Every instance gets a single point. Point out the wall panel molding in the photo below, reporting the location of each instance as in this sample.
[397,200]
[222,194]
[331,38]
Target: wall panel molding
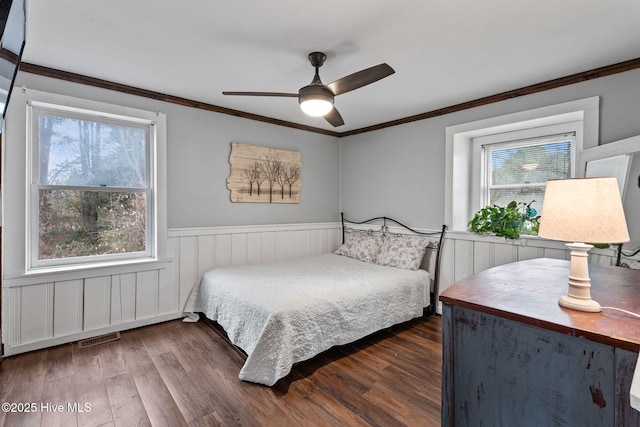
[238,229]
[39,315]
[45,310]
[465,254]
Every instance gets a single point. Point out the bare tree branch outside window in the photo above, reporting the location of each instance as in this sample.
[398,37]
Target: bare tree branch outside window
[93,192]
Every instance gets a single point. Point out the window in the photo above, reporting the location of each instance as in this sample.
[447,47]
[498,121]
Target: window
[471,183]
[518,170]
[92,193]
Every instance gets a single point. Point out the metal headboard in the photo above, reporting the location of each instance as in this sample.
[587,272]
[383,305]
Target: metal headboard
[384,229]
[620,254]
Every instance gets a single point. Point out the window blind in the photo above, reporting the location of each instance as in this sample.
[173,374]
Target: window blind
[518,170]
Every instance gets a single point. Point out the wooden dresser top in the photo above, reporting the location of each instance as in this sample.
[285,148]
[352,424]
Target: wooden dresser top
[528,292]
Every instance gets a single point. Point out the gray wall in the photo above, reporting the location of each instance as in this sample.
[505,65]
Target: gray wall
[198,148]
[400,171]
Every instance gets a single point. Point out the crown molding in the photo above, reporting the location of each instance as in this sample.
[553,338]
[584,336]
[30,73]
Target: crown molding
[595,73]
[132,90]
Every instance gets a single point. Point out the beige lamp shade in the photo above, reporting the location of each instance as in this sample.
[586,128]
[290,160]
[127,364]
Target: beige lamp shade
[587,210]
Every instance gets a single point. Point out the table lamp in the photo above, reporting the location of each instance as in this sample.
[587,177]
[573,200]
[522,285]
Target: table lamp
[583,211]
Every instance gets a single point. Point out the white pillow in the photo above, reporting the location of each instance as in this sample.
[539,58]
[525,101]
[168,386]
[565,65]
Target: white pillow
[402,251]
[361,245]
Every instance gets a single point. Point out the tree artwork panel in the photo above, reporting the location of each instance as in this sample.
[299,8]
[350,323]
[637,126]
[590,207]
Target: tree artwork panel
[264,175]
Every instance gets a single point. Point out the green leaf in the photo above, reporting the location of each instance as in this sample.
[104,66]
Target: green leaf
[507,222]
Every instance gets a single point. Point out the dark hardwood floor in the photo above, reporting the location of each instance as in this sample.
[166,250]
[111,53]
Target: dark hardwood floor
[178,374]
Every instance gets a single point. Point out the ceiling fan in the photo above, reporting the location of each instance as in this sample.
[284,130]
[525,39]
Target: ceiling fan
[316,99]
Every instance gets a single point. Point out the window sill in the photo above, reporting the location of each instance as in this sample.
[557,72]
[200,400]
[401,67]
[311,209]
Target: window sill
[56,274]
[524,240]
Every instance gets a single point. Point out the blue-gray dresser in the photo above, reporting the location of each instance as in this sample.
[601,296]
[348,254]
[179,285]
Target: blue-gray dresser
[513,357]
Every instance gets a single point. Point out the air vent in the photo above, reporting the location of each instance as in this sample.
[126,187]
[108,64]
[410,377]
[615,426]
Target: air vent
[89,342]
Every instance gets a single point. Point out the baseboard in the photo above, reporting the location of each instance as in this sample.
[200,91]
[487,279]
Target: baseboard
[23,348]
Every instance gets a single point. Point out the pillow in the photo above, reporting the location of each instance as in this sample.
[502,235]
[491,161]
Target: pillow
[402,251]
[361,245]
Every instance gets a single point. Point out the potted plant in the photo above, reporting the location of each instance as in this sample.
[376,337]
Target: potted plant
[508,222]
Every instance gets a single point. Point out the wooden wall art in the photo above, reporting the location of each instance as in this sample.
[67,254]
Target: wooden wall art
[264,175]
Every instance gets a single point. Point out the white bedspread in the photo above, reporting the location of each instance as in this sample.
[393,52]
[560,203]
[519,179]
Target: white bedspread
[285,312]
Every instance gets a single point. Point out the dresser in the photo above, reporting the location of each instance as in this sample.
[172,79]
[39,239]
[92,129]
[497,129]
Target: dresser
[513,356]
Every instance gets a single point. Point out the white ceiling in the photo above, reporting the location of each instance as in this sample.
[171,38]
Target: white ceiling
[444,52]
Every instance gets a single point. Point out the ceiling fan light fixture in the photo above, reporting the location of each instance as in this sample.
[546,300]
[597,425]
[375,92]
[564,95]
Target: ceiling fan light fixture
[315,100]
[316,107]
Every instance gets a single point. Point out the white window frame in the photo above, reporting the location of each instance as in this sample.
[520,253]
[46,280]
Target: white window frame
[463,165]
[34,108]
[16,196]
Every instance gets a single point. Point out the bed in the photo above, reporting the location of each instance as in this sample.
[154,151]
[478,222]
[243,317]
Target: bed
[284,312]
[627,258]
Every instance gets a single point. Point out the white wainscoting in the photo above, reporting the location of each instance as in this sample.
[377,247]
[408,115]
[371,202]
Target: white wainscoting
[47,310]
[52,309]
[200,249]
[465,254]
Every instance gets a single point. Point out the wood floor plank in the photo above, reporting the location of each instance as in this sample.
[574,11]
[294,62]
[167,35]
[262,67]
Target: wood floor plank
[88,371]
[94,407]
[91,402]
[58,392]
[258,401]
[59,362]
[411,395]
[209,420]
[404,412]
[112,360]
[203,345]
[158,402]
[368,372]
[7,375]
[325,378]
[322,409]
[27,387]
[136,357]
[126,405]
[27,369]
[178,374]
[193,403]
[232,410]
[153,338]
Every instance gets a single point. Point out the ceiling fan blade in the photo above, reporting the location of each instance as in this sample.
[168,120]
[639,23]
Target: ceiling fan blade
[360,78]
[334,118]
[288,95]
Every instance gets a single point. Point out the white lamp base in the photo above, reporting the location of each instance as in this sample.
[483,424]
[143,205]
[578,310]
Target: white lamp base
[579,295]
